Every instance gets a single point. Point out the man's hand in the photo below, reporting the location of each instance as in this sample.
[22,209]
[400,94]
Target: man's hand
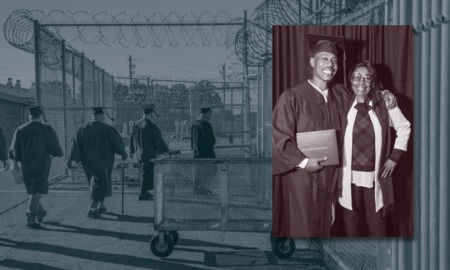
[131,155]
[313,164]
[388,168]
[6,165]
[389,99]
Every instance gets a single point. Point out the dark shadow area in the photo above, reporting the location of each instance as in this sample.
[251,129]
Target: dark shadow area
[26,265]
[128,218]
[135,237]
[117,259]
[401,219]
[301,259]
[97,232]
[203,244]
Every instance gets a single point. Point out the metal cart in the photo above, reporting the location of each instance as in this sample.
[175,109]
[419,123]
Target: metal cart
[241,200]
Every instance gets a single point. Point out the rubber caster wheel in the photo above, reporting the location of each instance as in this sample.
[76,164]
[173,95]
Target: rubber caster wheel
[174,235]
[283,247]
[161,249]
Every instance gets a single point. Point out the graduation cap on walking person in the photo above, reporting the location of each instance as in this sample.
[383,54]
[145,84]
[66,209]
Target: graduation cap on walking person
[35,110]
[205,110]
[149,108]
[101,110]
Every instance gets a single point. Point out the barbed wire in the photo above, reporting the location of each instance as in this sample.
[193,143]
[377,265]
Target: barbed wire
[127,30]
[174,30]
[297,12]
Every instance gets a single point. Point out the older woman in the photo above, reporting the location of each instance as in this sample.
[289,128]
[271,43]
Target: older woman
[369,158]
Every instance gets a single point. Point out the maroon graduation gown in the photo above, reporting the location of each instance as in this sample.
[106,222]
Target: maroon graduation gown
[302,200]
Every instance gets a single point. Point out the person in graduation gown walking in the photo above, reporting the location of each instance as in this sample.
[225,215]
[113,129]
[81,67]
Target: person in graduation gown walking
[202,145]
[147,143]
[95,145]
[34,144]
[3,150]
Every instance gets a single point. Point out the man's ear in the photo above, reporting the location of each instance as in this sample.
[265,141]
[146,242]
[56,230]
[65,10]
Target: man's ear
[311,61]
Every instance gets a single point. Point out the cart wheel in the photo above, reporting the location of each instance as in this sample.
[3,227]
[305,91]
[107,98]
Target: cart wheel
[174,236]
[283,247]
[161,249]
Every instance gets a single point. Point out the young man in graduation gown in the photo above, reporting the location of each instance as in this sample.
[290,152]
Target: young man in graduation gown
[305,193]
[147,143]
[202,145]
[95,145]
[33,145]
[3,150]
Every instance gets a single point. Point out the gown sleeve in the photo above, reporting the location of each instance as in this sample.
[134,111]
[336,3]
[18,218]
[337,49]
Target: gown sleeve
[285,153]
[53,146]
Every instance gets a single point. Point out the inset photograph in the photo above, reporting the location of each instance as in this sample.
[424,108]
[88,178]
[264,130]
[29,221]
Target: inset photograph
[342,131]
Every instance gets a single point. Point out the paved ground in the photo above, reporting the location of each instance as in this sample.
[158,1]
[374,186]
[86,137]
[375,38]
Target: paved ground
[70,240]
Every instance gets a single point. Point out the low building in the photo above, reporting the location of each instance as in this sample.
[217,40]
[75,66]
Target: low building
[14,101]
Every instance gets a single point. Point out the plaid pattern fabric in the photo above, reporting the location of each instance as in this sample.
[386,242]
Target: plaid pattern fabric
[363,150]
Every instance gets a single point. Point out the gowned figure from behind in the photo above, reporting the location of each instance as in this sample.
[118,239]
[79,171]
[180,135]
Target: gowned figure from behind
[369,159]
[95,145]
[3,150]
[202,145]
[147,143]
[33,146]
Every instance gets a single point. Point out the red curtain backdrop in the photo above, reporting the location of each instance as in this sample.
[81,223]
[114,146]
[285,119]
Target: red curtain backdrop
[390,50]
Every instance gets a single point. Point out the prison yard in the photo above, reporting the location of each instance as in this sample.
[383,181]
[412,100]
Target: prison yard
[182,63]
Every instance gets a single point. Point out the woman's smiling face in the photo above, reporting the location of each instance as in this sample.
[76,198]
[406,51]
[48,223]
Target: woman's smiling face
[361,80]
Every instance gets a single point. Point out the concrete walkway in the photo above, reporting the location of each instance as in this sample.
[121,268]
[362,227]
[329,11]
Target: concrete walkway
[70,240]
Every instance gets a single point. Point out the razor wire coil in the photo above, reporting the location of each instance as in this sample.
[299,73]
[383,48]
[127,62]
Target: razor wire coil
[189,29]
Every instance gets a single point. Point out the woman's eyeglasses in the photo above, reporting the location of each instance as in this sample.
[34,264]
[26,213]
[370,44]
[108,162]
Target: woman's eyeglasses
[357,77]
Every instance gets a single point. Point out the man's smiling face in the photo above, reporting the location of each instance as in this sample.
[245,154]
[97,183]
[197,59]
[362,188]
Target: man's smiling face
[324,66]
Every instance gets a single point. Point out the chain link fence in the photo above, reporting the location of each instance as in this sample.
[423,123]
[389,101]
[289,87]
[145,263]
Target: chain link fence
[124,77]
[241,196]
[71,82]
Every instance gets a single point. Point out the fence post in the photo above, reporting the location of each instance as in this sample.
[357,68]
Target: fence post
[37,62]
[246,97]
[103,88]
[224,194]
[94,88]
[148,89]
[64,90]
[83,87]
[73,79]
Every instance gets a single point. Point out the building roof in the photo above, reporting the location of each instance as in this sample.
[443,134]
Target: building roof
[18,95]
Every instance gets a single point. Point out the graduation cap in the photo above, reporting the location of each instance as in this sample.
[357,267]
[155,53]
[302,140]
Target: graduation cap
[330,44]
[205,110]
[35,110]
[149,108]
[97,110]
[325,43]
[101,110]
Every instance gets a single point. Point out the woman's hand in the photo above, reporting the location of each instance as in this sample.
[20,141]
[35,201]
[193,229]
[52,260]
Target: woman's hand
[389,99]
[388,168]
